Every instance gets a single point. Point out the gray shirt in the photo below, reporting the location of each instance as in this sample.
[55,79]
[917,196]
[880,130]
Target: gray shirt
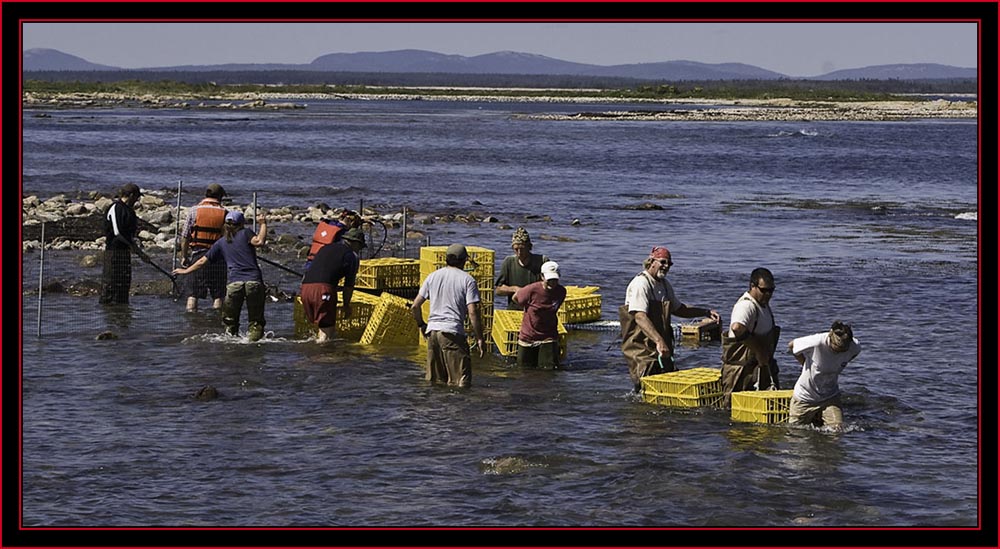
[449,291]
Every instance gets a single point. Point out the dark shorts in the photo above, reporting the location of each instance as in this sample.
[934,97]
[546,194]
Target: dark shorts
[322,313]
[208,280]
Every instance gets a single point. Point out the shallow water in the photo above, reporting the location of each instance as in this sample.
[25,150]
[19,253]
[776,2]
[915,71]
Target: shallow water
[353,436]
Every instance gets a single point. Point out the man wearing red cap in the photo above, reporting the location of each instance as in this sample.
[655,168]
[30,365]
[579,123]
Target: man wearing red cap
[647,337]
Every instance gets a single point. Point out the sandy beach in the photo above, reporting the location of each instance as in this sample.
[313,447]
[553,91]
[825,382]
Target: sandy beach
[777,109]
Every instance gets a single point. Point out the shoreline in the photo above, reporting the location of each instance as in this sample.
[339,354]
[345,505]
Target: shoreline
[728,110]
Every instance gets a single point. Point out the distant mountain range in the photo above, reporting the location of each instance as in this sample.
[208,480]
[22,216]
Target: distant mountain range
[508,62]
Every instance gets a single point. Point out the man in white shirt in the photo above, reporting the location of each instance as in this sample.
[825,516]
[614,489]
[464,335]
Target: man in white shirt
[647,336]
[453,295]
[748,346]
[816,397]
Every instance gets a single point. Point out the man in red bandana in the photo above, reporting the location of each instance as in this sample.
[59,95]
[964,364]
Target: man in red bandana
[647,337]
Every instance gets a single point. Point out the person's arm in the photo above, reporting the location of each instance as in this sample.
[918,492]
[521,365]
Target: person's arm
[193,267]
[684,311]
[477,327]
[800,357]
[418,314]
[260,238]
[646,325]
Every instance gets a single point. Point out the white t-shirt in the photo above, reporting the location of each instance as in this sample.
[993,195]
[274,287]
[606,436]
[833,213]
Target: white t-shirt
[644,289]
[747,311]
[449,291]
[822,367]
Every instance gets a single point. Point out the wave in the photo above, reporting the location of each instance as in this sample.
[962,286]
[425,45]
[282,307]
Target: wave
[970,216]
[803,132]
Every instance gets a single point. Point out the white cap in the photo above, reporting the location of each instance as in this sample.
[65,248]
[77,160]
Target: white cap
[550,270]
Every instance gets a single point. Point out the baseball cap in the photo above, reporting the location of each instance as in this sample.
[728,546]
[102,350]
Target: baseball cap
[550,270]
[129,189]
[356,235]
[235,217]
[457,251]
[215,191]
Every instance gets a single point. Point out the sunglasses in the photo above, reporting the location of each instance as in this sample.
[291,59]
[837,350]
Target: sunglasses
[766,290]
[665,262]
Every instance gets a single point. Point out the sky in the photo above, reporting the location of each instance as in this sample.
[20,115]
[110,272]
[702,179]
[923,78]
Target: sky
[790,48]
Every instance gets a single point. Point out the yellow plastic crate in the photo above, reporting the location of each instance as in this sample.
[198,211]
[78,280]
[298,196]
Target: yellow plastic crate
[391,323]
[581,290]
[507,324]
[580,308]
[761,406]
[684,388]
[388,272]
[432,258]
[702,330]
[362,307]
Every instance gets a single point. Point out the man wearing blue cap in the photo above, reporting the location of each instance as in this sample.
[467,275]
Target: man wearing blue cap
[237,248]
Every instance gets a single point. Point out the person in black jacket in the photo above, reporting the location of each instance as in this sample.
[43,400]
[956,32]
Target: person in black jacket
[333,262]
[120,228]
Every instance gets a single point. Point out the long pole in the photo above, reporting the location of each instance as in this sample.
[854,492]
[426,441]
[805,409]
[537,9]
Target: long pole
[404,232]
[41,268]
[279,265]
[177,225]
[255,211]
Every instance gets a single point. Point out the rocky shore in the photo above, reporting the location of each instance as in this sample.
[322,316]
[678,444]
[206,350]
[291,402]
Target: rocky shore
[778,109]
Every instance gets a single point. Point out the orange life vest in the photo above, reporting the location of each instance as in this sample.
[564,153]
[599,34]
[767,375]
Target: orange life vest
[325,233]
[209,217]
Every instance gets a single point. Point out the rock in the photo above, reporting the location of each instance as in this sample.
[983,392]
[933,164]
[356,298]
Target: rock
[575,222]
[103,336]
[491,219]
[89,261]
[54,287]
[645,206]
[206,393]
[76,209]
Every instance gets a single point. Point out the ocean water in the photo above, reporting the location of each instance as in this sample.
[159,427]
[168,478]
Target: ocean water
[872,223]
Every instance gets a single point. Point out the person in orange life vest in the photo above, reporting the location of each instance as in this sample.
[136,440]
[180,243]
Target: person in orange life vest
[333,262]
[538,338]
[201,229]
[647,336]
[331,231]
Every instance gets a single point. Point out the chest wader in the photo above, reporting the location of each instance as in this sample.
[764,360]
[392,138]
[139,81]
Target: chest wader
[740,370]
[639,349]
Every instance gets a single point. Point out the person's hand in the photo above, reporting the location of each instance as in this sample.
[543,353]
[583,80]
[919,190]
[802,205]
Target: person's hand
[482,346]
[790,346]
[662,348]
[714,315]
[179,271]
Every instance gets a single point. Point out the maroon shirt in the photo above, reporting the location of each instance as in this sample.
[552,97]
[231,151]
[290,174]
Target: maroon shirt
[540,307]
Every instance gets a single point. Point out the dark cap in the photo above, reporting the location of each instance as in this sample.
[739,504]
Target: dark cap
[357,235]
[215,190]
[457,251]
[129,189]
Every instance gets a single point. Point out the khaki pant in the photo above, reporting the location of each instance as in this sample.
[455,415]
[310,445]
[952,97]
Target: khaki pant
[825,413]
[448,359]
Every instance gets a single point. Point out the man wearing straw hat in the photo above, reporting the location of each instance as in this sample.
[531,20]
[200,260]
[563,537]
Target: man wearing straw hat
[520,269]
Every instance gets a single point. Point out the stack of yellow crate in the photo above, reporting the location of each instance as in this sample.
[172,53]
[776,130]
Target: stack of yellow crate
[506,327]
[761,406]
[388,274]
[582,304]
[684,388]
[362,307]
[391,323]
[481,268]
